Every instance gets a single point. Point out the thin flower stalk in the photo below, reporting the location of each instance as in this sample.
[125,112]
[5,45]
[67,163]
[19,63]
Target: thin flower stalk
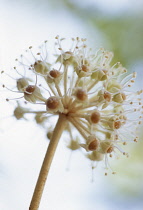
[59,128]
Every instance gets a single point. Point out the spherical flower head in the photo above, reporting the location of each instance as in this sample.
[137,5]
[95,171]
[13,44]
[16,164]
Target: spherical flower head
[94,96]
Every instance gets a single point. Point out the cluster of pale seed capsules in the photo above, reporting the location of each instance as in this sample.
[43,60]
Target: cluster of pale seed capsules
[94,96]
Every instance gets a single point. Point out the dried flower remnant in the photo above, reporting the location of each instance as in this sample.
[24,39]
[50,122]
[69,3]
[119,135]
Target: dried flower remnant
[87,92]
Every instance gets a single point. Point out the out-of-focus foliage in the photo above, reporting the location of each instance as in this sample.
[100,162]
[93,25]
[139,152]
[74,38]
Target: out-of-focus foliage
[129,177]
[125,36]
[123,32]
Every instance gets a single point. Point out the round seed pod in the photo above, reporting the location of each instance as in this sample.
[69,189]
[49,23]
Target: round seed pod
[32,94]
[54,76]
[106,147]
[92,143]
[117,124]
[94,117]
[83,71]
[110,149]
[85,68]
[29,89]
[114,123]
[53,103]
[81,94]
[54,73]
[104,96]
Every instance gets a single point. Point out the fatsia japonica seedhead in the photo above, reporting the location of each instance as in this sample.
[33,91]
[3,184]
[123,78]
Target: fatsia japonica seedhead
[102,112]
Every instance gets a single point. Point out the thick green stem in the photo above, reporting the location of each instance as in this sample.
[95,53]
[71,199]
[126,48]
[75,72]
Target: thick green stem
[60,126]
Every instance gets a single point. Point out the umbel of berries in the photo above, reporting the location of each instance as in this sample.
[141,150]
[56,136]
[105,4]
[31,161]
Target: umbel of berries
[91,99]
